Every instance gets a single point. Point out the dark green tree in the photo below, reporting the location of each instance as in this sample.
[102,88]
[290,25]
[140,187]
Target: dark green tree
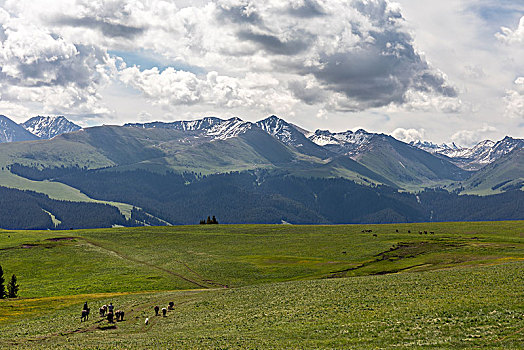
[208,220]
[12,287]
[3,294]
[214,220]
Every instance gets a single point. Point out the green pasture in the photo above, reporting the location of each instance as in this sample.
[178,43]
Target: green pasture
[459,285]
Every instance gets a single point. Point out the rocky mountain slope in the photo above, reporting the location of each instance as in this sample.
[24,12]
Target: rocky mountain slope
[12,132]
[49,127]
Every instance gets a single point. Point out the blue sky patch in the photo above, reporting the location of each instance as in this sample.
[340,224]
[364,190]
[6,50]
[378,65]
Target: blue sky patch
[145,59]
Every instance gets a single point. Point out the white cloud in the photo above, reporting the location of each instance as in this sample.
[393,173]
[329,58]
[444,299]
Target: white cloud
[472,137]
[38,66]
[171,88]
[510,36]
[515,100]
[355,54]
[408,135]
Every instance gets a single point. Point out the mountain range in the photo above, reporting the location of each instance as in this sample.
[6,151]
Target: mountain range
[268,171]
[35,128]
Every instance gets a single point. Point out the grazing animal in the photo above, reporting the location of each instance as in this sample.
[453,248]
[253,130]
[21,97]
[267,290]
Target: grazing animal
[171,306]
[396,231]
[409,231]
[419,232]
[119,314]
[103,310]
[110,317]
[425,232]
[432,232]
[164,311]
[147,321]
[156,310]
[374,235]
[85,315]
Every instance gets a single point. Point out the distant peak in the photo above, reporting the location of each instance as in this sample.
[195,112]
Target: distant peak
[235,119]
[272,119]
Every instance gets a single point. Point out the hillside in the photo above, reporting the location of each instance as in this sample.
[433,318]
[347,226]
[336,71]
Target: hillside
[504,174]
[372,286]
[404,165]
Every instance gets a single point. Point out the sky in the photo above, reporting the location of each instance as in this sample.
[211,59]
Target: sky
[442,71]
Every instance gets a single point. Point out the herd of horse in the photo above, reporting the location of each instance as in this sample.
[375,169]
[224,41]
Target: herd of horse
[118,315]
[106,311]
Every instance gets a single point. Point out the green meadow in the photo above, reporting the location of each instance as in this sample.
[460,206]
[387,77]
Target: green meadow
[428,285]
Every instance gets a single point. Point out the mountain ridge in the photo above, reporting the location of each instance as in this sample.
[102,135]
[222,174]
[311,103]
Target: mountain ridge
[49,127]
[13,132]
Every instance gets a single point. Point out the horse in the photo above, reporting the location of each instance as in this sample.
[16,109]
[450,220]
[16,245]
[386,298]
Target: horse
[103,310]
[85,315]
[119,314]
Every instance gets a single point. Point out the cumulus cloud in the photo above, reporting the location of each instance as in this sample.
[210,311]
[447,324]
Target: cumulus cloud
[409,135]
[515,100]
[39,66]
[339,55]
[511,36]
[472,137]
[171,88]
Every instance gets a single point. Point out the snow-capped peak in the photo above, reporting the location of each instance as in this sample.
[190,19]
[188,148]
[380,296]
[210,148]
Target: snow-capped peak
[434,147]
[12,132]
[483,153]
[229,128]
[212,127]
[282,130]
[49,127]
[325,137]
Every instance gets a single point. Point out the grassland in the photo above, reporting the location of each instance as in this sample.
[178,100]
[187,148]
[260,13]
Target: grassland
[461,286]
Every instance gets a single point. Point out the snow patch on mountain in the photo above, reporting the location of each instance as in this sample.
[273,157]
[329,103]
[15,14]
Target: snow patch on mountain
[435,148]
[282,130]
[49,127]
[229,128]
[347,142]
[474,158]
[212,127]
[12,132]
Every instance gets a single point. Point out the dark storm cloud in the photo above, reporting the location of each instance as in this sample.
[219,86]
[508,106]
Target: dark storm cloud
[108,29]
[377,72]
[309,9]
[308,95]
[273,44]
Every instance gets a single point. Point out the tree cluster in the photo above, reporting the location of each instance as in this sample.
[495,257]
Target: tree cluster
[209,221]
[12,286]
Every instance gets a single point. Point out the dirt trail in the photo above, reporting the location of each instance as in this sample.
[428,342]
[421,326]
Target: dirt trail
[203,283]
